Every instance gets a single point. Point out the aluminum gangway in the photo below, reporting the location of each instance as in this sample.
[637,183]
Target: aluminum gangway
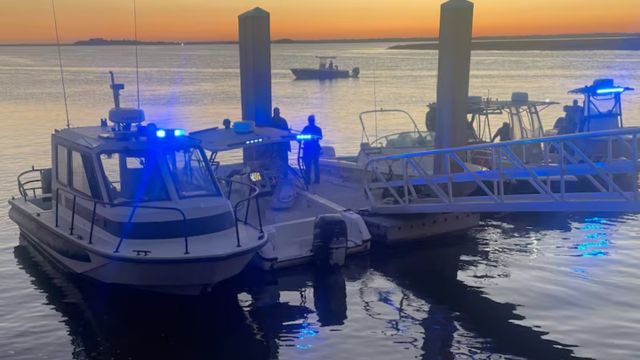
[594,171]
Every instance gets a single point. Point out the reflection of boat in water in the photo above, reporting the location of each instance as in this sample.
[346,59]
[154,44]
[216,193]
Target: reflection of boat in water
[108,322]
[133,205]
[326,70]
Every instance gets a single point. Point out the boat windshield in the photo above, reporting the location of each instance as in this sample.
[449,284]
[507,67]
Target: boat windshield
[133,176]
[137,176]
[190,172]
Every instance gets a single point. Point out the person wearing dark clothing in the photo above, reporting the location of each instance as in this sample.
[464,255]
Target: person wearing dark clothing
[504,133]
[430,118]
[282,149]
[560,126]
[311,150]
[277,121]
[578,116]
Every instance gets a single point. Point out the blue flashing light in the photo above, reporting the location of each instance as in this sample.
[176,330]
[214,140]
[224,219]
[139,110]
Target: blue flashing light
[178,132]
[614,90]
[253,141]
[161,133]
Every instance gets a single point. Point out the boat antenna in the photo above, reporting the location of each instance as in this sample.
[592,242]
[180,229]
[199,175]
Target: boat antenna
[64,89]
[375,98]
[135,35]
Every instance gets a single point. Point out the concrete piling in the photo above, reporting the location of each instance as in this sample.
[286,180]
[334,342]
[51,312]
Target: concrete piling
[454,61]
[255,65]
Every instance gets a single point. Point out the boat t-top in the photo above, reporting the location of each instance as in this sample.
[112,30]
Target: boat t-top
[129,204]
[327,69]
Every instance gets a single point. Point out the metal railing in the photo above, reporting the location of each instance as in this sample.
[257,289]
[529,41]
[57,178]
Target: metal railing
[26,186]
[604,163]
[253,195]
[134,208]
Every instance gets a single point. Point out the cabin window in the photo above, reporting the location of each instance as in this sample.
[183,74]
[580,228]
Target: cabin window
[83,175]
[62,171]
[133,176]
[190,171]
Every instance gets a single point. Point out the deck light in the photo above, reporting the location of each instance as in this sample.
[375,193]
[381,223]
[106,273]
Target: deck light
[301,137]
[161,133]
[178,132]
[253,141]
[614,90]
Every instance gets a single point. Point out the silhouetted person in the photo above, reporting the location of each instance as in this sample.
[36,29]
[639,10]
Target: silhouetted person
[226,123]
[430,118]
[560,126]
[504,133]
[571,120]
[578,114]
[330,65]
[278,122]
[311,154]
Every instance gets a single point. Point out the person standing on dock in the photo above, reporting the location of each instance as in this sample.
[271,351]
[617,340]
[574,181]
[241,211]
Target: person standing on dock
[278,121]
[283,150]
[311,153]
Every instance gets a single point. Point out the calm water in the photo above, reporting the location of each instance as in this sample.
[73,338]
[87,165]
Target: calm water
[526,286]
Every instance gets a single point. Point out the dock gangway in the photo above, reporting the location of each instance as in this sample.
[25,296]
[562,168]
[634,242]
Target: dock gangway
[594,171]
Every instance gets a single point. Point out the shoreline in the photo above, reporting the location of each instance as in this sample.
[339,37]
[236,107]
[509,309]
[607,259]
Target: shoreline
[630,43]
[414,43]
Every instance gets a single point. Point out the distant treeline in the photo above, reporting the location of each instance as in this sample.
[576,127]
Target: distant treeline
[603,41]
[533,44]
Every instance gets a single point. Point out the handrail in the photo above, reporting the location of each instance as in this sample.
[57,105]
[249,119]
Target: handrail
[21,185]
[134,208]
[545,139]
[412,179]
[253,194]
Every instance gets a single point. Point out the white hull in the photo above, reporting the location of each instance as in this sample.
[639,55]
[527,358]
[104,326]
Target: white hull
[180,275]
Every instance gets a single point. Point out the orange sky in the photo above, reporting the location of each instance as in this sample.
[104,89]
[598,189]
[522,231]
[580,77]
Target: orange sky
[30,21]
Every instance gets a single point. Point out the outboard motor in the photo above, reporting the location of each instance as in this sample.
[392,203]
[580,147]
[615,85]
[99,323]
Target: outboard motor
[355,72]
[329,241]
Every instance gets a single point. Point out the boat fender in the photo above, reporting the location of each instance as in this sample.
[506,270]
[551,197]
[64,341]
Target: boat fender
[329,241]
[355,72]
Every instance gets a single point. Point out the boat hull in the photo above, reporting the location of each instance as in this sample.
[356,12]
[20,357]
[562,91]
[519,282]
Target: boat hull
[184,276]
[317,74]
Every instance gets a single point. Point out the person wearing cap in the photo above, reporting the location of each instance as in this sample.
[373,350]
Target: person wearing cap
[311,150]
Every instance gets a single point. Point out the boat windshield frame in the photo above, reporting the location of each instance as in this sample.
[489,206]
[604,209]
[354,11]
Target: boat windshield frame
[162,170]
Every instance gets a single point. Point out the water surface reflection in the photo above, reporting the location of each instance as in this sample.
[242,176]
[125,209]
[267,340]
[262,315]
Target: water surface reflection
[393,304]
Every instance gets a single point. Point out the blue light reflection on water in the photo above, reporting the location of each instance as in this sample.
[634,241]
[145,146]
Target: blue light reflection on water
[306,331]
[593,228]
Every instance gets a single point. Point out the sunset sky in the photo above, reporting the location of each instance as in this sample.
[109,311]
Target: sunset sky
[30,21]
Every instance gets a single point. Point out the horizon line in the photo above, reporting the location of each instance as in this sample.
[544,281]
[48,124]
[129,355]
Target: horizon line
[329,40]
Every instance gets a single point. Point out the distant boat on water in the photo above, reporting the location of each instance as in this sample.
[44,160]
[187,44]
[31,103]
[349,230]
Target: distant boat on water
[327,69]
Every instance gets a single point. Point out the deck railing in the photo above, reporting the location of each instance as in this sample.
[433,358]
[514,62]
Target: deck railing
[445,180]
[253,195]
[133,206]
[28,189]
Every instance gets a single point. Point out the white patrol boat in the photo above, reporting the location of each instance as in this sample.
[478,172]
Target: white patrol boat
[133,205]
